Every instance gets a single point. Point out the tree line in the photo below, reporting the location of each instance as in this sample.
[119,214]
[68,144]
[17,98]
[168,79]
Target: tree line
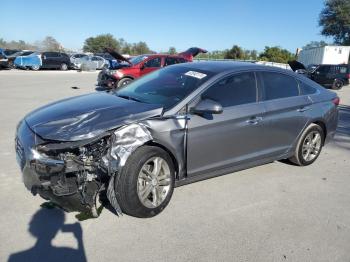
[334,21]
[47,44]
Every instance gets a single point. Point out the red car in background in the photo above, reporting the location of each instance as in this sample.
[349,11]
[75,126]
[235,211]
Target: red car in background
[138,66]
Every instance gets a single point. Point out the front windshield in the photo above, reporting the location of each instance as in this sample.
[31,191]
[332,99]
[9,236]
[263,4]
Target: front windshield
[166,87]
[137,59]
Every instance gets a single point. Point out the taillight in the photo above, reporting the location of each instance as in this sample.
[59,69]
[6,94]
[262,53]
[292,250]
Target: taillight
[347,76]
[336,101]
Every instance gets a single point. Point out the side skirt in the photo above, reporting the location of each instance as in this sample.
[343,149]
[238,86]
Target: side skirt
[227,170]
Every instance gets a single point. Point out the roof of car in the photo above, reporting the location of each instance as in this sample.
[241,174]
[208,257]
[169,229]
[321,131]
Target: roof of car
[220,66]
[161,55]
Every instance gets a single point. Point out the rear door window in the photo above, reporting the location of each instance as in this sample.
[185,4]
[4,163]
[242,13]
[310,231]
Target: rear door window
[52,54]
[341,69]
[181,60]
[233,90]
[170,61]
[278,85]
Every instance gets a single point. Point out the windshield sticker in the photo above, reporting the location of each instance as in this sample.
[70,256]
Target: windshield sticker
[195,74]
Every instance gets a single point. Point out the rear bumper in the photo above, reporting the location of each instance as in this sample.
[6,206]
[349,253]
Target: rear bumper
[331,121]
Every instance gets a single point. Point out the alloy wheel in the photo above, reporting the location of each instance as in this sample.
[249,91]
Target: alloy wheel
[153,182]
[311,146]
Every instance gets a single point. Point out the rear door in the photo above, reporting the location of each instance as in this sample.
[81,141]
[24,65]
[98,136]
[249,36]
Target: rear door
[235,136]
[51,60]
[151,65]
[286,110]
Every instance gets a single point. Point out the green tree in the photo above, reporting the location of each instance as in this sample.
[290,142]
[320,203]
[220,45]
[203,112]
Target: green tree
[172,50]
[98,43]
[314,44]
[335,21]
[276,54]
[250,54]
[16,44]
[235,52]
[140,48]
[2,43]
[50,44]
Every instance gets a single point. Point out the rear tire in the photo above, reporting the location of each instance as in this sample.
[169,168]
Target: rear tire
[124,82]
[338,84]
[64,67]
[309,146]
[132,184]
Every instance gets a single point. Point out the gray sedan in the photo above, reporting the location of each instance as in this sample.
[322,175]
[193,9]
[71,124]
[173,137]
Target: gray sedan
[177,125]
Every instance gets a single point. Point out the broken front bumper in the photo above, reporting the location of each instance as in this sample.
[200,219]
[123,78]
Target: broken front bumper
[106,80]
[45,176]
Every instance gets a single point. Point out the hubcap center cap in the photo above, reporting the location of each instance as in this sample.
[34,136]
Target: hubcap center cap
[154,182]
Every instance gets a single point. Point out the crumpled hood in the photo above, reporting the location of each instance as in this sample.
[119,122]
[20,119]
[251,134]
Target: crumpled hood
[87,116]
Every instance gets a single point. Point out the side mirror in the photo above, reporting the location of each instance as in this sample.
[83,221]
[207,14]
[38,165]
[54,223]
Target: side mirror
[207,106]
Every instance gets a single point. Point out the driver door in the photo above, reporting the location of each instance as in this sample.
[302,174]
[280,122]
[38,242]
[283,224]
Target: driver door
[235,136]
[151,65]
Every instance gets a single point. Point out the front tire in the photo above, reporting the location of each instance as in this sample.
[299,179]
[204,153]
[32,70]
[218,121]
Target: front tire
[146,182]
[309,146]
[124,82]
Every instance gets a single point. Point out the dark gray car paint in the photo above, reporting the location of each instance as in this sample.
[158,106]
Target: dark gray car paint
[201,147]
[87,116]
[276,125]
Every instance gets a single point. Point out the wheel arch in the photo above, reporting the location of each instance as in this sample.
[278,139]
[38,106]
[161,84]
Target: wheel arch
[172,156]
[127,76]
[322,124]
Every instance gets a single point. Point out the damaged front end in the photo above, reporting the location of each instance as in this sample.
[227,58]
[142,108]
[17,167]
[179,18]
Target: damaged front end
[74,174]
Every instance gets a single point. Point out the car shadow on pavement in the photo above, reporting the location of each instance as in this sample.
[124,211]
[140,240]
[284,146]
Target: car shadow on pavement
[103,89]
[342,136]
[44,226]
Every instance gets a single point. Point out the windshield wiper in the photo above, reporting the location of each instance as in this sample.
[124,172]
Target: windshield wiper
[130,98]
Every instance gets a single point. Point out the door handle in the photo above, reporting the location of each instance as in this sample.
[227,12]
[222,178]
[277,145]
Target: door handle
[303,109]
[254,120]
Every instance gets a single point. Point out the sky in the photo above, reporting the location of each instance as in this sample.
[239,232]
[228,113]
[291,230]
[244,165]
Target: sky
[213,25]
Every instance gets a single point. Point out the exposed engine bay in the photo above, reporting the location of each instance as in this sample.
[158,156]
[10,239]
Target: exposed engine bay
[82,176]
[77,175]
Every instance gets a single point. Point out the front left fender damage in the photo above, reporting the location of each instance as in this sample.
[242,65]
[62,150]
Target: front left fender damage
[74,174]
[124,141]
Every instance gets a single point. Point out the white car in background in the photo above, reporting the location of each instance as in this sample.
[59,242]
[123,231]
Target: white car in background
[87,62]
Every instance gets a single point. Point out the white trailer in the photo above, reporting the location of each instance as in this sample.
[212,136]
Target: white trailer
[332,55]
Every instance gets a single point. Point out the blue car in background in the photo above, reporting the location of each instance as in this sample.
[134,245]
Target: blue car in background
[32,61]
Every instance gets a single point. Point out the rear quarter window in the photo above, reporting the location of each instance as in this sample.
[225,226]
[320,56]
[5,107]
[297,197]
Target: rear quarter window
[341,69]
[277,85]
[306,89]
